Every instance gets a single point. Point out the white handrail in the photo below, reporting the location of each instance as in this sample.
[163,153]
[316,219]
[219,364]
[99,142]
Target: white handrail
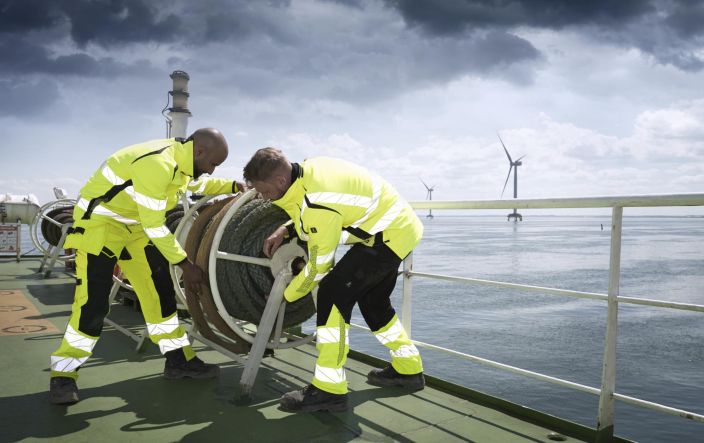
[617,203]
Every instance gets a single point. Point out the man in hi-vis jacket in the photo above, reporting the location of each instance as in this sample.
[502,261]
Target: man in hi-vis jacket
[119,219]
[331,202]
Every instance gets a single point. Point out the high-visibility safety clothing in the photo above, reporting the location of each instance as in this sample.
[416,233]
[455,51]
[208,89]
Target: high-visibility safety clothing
[136,186]
[332,201]
[119,219]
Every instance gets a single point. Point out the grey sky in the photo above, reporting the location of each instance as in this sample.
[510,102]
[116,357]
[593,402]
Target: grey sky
[603,97]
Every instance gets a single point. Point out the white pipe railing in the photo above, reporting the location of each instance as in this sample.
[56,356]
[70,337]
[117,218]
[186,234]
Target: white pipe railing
[607,394]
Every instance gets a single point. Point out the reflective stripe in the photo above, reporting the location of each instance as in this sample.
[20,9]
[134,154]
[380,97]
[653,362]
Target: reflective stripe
[330,335]
[169,344]
[343,237]
[320,276]
[389,217]
[405,351]
[330,375]
[110,175]
[303,234]
[325,258]
[201,188]
[66,364]
[161,231]
[78,341]
[391,334]
[339,198]
[165,327]
[101,210]
[148,202]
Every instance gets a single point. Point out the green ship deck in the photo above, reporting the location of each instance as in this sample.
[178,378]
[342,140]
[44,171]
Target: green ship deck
[125,398]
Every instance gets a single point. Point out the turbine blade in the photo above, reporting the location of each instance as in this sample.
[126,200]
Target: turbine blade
[506,182]
[506,150]
[426,186]
[519,159]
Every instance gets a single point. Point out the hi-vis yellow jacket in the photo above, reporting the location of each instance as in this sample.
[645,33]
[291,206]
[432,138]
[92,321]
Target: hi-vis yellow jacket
[332,201]
[136,186]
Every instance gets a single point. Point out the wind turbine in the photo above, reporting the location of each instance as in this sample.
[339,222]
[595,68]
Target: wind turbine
[429,196]
[512,165]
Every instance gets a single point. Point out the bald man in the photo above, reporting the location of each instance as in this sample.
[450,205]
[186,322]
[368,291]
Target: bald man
[119,219]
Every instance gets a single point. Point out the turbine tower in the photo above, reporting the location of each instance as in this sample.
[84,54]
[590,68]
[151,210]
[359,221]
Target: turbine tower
[513,165]
[429,196]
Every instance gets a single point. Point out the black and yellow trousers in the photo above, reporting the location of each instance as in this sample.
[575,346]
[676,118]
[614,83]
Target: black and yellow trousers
[99,247]
[366,276]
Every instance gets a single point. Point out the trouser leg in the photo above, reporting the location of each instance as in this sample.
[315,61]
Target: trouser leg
[380,316]
[90,306]
[361,269]
[148,273]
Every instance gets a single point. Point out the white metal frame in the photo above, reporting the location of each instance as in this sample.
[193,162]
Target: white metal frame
[607,394]
[269,332]
[50,252]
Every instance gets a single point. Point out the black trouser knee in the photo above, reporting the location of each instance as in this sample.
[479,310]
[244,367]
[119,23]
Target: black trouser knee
[99,275]
[366,275]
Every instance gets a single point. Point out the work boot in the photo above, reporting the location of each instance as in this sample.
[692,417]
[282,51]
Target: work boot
[389,377]
[177,367]
[311,399]
[63,391]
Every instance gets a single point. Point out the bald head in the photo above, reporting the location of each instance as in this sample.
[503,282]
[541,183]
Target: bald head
[209,150]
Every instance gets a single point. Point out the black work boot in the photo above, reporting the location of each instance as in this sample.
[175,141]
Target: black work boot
[389,377]
[63,391]
[311,399]
[177,367]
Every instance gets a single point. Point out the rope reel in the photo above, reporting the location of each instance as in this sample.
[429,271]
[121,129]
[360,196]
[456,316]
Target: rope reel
[238,291]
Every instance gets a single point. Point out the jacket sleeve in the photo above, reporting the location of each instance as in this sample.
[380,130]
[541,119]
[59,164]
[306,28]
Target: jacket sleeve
[323,227]
[150,179]
[213,186]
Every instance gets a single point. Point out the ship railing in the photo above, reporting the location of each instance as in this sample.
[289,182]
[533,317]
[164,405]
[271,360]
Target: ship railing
[607,394]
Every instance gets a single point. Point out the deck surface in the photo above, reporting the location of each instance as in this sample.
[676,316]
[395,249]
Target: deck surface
[124,397]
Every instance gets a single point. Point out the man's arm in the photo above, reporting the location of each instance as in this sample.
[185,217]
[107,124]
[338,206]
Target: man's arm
[323,227]
[216,186]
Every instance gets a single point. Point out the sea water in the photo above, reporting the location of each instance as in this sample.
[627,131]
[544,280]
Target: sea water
[660,352]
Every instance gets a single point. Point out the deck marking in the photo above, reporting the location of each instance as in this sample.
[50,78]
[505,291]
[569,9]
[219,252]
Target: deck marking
[19,316]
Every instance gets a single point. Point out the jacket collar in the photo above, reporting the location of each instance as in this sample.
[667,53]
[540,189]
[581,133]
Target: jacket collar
[291,200]
[183,153]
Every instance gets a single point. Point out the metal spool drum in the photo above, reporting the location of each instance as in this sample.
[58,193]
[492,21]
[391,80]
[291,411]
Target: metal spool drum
[225,238]
[49,222]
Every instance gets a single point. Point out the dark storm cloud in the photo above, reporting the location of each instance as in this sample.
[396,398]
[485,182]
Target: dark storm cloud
[118,22]
[27,99]
[27,15]
[670,31]
[103,22]
[453,16]
[20,57]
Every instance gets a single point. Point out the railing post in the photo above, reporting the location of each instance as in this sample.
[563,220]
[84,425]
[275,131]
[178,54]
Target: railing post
[407,287]
[605,421]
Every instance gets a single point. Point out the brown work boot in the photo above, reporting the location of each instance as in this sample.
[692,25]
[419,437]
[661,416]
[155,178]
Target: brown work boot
[389,377]
[63,391]
[176,367]
[311,399]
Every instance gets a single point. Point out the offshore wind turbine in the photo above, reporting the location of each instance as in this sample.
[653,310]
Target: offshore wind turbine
[513,165]
[429,196]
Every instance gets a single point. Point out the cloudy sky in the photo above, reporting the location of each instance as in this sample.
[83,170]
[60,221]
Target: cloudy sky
[602,97]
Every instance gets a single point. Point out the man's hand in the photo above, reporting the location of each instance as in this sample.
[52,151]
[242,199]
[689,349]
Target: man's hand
[272,242]
[241,187]
[193,276]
